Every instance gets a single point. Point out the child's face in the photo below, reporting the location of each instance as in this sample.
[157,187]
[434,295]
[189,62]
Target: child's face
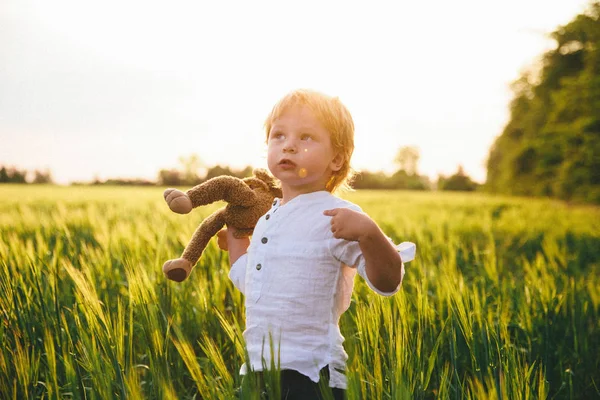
[300,153]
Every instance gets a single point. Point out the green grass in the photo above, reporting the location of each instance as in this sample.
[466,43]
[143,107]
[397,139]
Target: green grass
[502,301]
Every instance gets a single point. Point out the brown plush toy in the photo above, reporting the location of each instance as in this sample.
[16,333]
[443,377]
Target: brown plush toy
[248,199]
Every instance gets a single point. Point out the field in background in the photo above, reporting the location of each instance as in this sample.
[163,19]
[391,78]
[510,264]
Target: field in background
[502,300]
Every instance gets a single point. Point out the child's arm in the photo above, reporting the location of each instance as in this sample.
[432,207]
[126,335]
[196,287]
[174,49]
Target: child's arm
[383,262]
[236,247]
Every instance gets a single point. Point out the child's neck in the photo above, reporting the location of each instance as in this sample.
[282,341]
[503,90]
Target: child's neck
[290,193]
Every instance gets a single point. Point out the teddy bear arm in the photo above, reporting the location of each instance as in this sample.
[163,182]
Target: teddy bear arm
[228,188]
[209,227]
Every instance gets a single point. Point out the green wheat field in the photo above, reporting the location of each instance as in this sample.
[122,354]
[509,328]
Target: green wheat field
[501,302]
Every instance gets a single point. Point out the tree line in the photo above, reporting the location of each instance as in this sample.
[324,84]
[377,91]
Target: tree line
[551,144]
[11,174]
[406,177]
[193,172]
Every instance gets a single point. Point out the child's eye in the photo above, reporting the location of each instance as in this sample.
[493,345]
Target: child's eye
[277,135]
[305,137]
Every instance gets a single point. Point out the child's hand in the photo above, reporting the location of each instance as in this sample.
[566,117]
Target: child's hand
[228,242]
[349,224]
[226,236]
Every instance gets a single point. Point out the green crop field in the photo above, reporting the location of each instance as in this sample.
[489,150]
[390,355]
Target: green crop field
[501,302]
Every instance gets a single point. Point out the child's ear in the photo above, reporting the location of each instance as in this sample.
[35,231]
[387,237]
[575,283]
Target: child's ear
[337,162]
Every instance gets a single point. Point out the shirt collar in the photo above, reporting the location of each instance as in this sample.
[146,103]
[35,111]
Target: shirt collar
[303,198]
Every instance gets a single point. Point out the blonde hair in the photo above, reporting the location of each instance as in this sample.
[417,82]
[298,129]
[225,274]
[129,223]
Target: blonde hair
[334,117]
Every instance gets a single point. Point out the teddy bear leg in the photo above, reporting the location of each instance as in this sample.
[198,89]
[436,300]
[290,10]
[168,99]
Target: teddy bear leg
[177,270]
[209,228]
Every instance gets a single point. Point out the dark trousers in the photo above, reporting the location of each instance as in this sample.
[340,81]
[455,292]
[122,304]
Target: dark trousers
[295,386]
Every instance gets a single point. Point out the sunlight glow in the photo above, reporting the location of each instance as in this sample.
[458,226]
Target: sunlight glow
[123,89]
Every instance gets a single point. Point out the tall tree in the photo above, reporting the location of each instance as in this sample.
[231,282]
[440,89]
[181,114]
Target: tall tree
[551,144]
[460,181]
[44,176]
[191,165]
[407,159]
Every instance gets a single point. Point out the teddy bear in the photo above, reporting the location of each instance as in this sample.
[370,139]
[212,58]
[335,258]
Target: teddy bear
[247,200]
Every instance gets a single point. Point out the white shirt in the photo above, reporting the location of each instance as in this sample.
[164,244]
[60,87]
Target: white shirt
[296,287]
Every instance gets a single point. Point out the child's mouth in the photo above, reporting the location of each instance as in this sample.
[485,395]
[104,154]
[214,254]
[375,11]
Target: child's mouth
[287,164]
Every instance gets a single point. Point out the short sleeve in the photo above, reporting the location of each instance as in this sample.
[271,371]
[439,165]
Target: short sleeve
[350,254]
[237,273]
[346,251]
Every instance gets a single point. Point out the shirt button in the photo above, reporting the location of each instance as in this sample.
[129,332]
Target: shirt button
[258,267]
[264,240]
[267,216]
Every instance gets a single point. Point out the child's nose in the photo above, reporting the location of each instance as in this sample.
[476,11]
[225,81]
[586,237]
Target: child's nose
[289,147]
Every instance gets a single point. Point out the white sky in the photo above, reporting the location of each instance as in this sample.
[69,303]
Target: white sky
[123,88]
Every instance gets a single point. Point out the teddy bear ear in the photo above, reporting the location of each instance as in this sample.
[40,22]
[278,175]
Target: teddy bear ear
[255,183]
[276,192]
[264,176]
